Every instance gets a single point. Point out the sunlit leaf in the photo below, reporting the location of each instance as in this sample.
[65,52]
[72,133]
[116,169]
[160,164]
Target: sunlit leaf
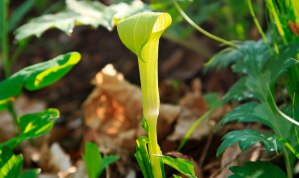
[38,75]
[180,165]
[257,169]
[81,12]
[10,165]
[34,125]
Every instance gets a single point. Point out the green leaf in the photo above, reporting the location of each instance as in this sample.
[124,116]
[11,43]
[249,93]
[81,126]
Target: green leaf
[293,150]
[213,100]
[81,12]
[107,161]
[3,104]
[34,125]
[32,173]
[257,169]
[142,156]
[38,75]
[248,112]
[180,165]
[10,165]
[230,55]
[93,160]
[175,176]
[246,138]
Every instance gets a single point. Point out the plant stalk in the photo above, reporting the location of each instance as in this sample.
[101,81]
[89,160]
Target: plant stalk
[154,148]
[259,27]
[4,36]
[200,29]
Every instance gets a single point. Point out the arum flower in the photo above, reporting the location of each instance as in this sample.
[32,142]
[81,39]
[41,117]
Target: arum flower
[140,33]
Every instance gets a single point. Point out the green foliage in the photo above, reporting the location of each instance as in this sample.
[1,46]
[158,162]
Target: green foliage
[94,162]
[231,55]
[198,10]
[32,173]
[10,165]
[260,69]
[38,75]
[246,138]
[180,165]
[257,169]
[34,125]
[83,12]
[143,158]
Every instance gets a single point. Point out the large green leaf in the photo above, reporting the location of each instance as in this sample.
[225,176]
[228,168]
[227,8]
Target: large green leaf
[180,165]
[261,69]
[246,138]
[10,165]
[34,125]
[38,75]
[82,12]
[257,169]
[32,173]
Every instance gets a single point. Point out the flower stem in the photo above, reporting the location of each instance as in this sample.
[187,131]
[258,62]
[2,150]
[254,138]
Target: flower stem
[154,148]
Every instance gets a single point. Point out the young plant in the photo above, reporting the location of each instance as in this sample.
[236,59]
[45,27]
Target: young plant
[95,164]
[259,67]
[140,33]
[30,125]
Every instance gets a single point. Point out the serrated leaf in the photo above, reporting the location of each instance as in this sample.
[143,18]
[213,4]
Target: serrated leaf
[10,165]
[257,169]
[32,173]
[248,112]
[263,69]
[38,75]
[246,138]
[231,55]
[34,125]
[181,165]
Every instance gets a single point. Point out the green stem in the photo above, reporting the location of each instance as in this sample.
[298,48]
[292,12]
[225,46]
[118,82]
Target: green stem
[4,36]
[154,148]
[259,26]
[17,127]
[200,29]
